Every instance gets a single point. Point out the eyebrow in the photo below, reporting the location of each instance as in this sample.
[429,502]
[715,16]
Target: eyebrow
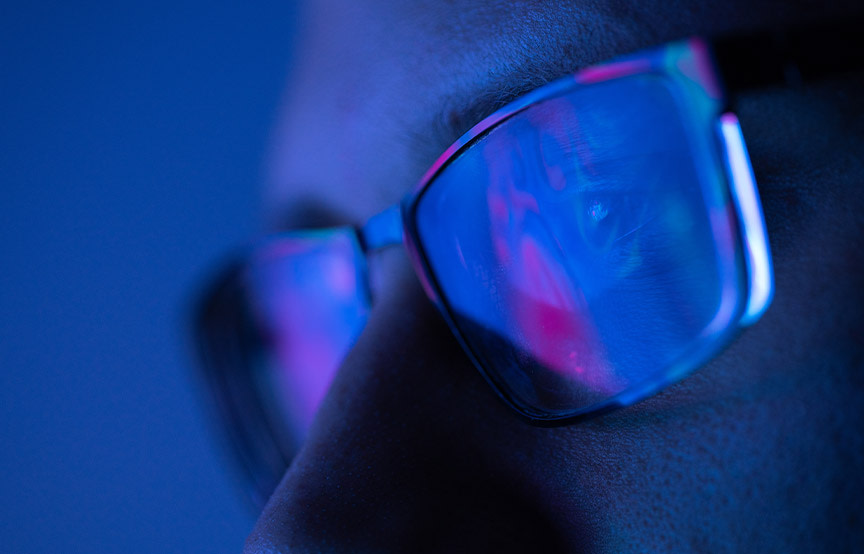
[555,50]
[457,115]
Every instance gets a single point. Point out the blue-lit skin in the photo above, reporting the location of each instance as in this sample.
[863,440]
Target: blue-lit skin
[760,450]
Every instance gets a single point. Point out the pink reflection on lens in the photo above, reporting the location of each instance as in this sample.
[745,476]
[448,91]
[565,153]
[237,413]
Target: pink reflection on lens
[553,318]
[547,314]
[341,277]
[309,295]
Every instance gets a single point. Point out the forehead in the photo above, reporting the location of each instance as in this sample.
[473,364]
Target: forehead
[381,87]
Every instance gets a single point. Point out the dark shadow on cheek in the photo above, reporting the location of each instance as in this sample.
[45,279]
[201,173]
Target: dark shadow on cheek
[423,493]
[470,509]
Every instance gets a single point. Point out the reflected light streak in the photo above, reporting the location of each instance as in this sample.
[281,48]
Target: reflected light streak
[761,278]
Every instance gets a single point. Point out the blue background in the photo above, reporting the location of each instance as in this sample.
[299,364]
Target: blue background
[131,148]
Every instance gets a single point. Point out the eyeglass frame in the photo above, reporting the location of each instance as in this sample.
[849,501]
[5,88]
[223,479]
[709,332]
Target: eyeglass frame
[741,63]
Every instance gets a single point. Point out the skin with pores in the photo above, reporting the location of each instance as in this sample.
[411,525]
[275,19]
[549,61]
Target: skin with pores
[411,451]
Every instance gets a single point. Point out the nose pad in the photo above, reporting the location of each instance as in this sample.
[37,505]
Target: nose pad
[409,450]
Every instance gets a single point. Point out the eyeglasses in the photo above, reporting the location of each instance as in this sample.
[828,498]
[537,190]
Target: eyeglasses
[588,244]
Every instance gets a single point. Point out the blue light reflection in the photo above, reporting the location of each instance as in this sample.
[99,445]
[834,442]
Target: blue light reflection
[574,245]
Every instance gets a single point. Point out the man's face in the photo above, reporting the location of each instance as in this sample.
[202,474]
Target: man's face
[412,451]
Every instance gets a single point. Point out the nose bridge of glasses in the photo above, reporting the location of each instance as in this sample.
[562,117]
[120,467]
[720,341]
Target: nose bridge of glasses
[382,230]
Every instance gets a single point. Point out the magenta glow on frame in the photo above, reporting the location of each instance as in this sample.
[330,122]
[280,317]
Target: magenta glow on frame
[611,71]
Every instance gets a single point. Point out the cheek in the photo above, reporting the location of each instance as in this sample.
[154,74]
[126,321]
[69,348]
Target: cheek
[749,464]
[808,156]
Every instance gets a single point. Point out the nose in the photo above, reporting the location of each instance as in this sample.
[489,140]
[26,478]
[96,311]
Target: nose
[410,450]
